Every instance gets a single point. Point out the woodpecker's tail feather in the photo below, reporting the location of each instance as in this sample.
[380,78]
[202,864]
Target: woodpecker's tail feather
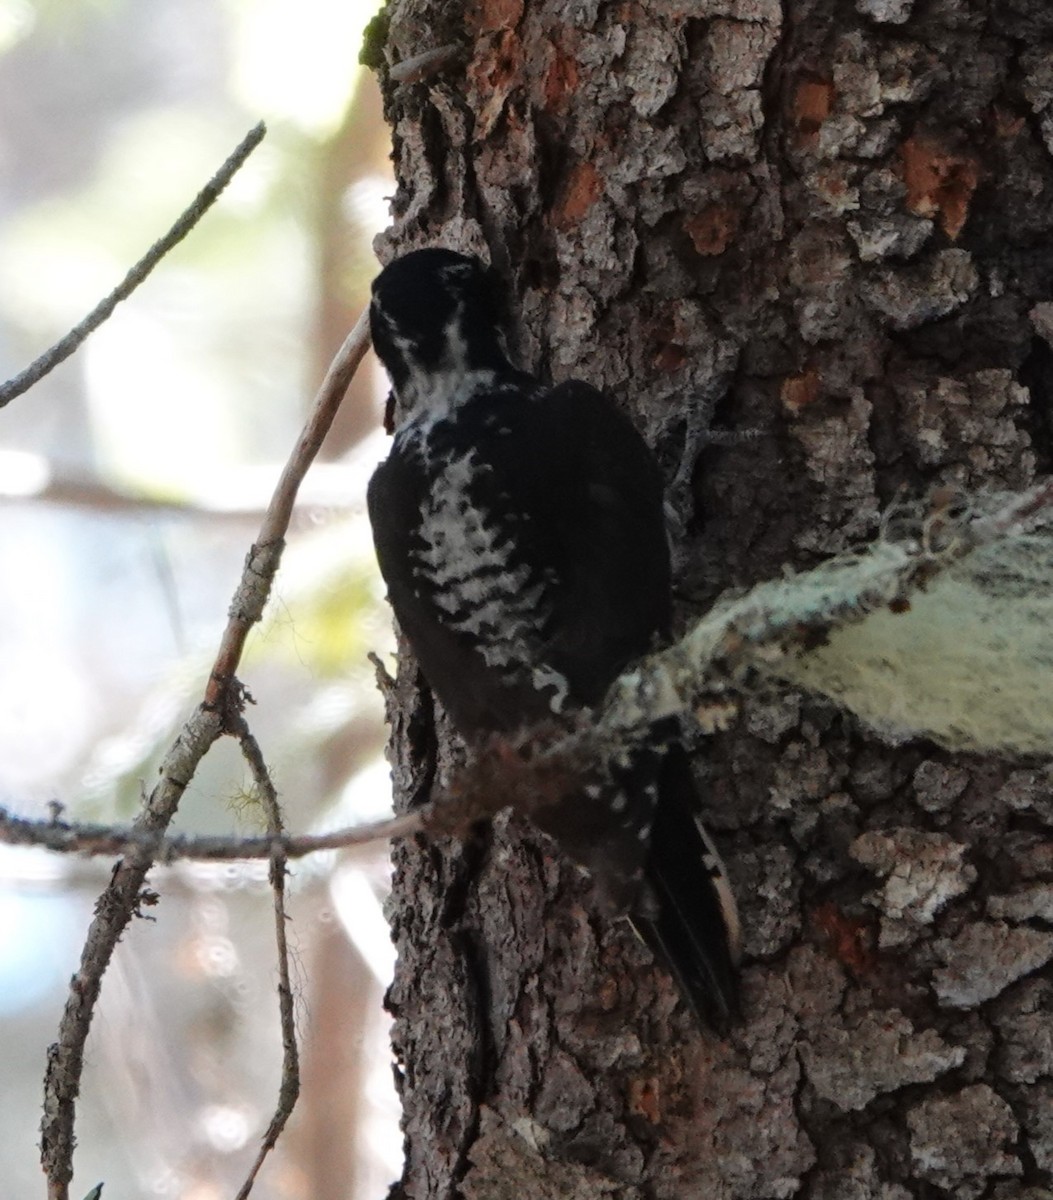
[687,913]
[637,831]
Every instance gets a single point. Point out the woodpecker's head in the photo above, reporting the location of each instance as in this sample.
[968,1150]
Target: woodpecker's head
[436,322]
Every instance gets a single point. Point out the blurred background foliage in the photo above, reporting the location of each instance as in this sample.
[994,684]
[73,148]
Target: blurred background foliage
[132,480]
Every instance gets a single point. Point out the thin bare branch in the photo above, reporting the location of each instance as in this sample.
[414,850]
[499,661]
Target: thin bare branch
[262,563]
[526,772]
[289,1090]
[190,216]
[107,840]
[123,898]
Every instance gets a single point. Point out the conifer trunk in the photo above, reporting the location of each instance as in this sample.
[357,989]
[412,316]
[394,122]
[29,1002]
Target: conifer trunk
[831,223]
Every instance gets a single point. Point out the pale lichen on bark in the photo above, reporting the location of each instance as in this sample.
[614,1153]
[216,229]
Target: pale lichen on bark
[984,1131]
[982,960]
[852,1060]
[923,873]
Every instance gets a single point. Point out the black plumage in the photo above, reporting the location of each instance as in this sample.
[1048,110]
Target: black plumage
[520,531]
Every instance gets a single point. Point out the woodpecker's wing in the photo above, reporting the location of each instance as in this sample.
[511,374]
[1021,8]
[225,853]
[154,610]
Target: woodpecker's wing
[606,512]
[523,543]
[686,912]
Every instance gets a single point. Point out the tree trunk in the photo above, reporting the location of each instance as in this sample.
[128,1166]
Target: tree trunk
[831,221]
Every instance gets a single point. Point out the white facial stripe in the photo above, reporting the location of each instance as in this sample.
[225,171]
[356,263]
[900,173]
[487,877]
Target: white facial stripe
[437,389]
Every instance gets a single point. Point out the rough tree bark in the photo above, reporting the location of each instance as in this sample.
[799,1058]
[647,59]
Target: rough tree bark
[832,221]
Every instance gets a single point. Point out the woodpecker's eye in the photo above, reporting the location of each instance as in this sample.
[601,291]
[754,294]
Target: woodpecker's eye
[461,270]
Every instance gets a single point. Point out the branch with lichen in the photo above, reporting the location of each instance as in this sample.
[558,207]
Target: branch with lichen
[955,596]
[289,1088]
[777,632]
